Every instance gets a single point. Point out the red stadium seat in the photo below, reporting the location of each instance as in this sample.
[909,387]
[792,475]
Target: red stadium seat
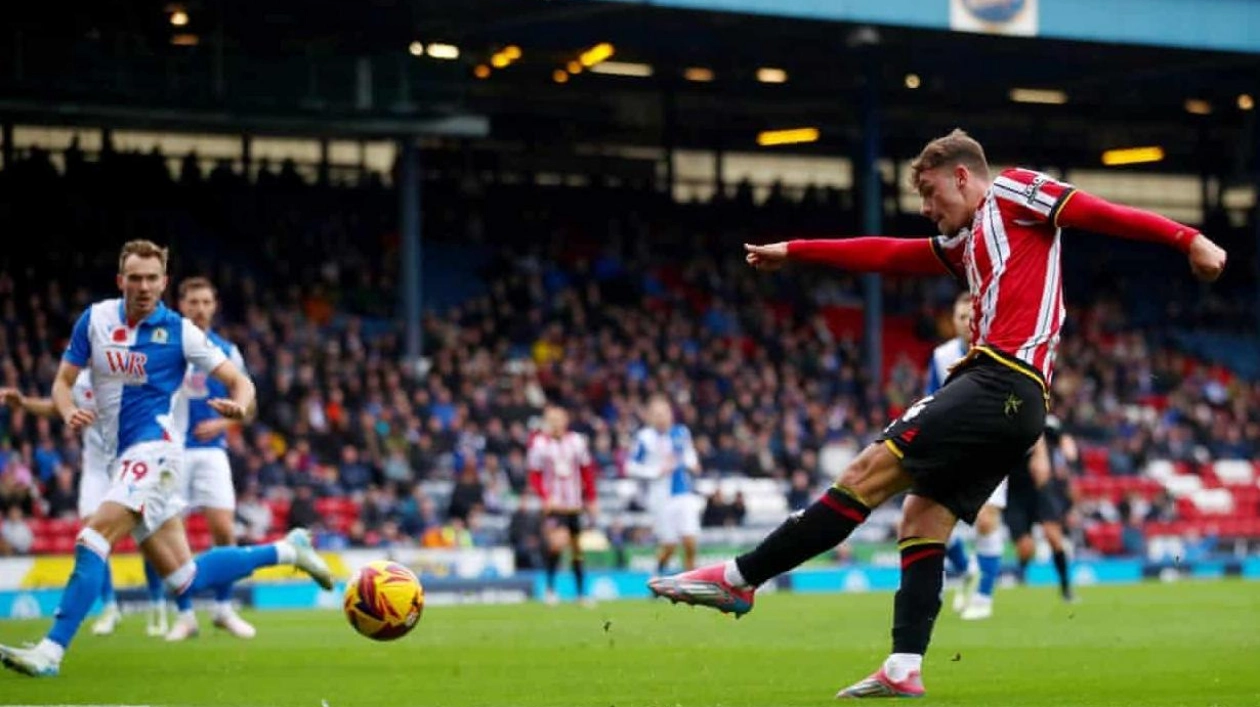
[1247,501]
[40,527]
[1095,461]
[1209,477]
[279,513]
[200,541]
[1187,510]
[1106,538]
[197,523]
[59,527]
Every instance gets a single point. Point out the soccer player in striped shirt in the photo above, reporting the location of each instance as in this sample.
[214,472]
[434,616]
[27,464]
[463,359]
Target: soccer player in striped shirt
[562,473]
[1001,235]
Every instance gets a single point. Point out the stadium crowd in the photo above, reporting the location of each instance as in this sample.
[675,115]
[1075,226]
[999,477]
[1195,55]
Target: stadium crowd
[652,298]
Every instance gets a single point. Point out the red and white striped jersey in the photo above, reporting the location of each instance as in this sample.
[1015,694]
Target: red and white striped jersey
[561,470]
[1009,258]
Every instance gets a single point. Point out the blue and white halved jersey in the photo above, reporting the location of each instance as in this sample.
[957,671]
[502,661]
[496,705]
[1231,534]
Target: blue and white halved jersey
[192,406]
[137,371]
[943,356]
[665,459]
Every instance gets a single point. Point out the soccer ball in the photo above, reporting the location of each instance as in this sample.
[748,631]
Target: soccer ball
[383,600]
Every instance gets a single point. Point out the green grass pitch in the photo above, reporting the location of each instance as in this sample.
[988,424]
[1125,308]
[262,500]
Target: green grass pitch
[1187,643]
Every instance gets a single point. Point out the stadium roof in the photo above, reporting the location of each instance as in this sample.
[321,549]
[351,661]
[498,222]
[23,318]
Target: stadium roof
[345,68]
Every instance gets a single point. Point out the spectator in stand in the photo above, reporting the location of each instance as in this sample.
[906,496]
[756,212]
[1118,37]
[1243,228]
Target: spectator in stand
[17,486]
[1133,539]
[800,490]
[355,476]
[525,531]
[418,513]
[16,533]
[302,513]
[771,378]
[254,517]
[63,496]
[468,491]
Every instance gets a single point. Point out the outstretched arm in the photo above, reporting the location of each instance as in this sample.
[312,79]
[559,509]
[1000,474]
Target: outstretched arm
[890,256]
[1091,213]
[43,407]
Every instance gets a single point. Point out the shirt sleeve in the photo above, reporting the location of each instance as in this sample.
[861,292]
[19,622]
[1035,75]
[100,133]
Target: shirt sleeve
[234,355]
[637,465]
[533,455]
[690,458]
[584,452]
[79,353]
[199,350]
[1032,195]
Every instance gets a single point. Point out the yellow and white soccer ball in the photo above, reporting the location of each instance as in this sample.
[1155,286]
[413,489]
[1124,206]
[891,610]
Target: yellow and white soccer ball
[383,600]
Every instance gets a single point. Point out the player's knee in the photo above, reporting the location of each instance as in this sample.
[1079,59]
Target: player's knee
[924,518]
[94,541]
[112,522]
[987,520]
[1025,546]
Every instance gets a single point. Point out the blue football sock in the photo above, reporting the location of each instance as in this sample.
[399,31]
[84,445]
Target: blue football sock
[153,581]
[80,593]
[224,565]
[990,566]
[956,553]
[107,587]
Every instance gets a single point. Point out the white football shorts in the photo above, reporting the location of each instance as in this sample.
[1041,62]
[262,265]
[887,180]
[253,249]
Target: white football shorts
[94,481]
[208,479]
[146,479]
[677,517]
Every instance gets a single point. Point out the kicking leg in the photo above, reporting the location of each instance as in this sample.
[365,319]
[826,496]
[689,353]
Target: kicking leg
[167,549]
[870,479]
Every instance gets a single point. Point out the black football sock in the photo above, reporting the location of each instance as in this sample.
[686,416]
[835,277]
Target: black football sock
[552,564]
[1065,579]
[1022,576]
[918,601]
[579,576]
[818,528]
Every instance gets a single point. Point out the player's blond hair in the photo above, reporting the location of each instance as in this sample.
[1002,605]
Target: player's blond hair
[953,149]
[142,249]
